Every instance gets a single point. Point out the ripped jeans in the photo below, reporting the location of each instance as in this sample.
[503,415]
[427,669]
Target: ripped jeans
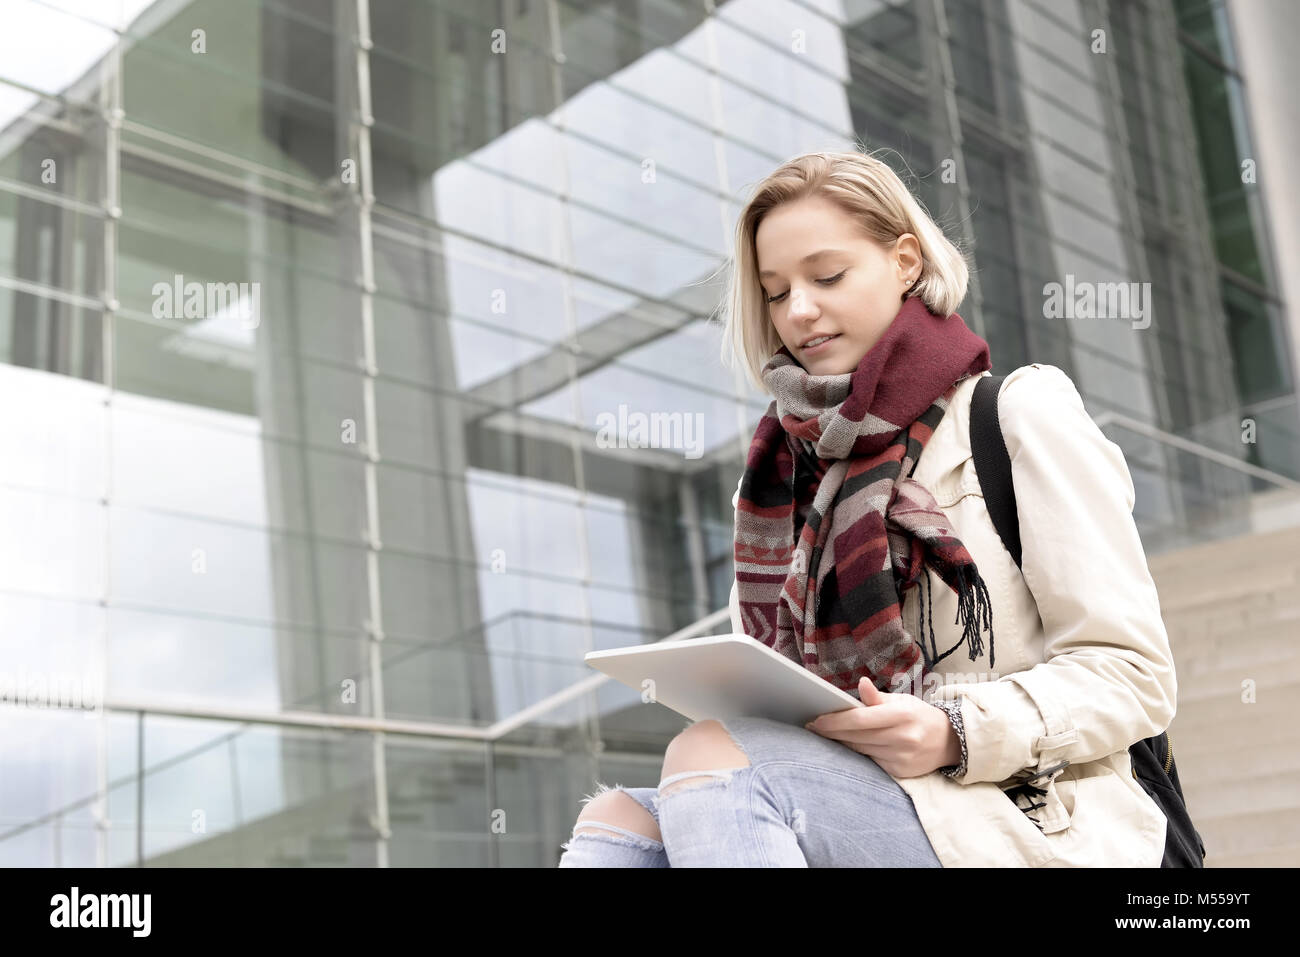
[803,801]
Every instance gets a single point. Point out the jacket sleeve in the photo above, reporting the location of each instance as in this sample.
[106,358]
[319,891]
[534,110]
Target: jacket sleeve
[733,603]
[1107,678]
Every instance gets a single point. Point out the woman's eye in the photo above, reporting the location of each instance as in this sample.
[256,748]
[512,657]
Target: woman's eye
[826,282]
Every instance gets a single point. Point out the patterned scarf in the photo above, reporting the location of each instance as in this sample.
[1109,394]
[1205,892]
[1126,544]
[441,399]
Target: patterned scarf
[831,529]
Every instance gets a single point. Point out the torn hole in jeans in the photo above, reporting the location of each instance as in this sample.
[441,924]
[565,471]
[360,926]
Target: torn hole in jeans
[689,780]
[601,788]
[614,834]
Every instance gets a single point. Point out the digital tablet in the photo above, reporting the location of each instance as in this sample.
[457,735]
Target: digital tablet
[722,676]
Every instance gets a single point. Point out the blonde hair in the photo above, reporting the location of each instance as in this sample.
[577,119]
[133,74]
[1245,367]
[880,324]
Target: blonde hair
[869,191]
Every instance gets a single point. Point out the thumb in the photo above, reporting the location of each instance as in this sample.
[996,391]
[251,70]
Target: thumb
[868,692]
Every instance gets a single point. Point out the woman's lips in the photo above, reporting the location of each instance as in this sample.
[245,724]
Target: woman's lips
[809,350]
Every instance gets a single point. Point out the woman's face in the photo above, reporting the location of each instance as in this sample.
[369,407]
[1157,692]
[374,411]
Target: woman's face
[851,293]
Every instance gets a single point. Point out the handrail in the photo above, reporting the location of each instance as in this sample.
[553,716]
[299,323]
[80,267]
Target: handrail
[424,729]
[1196,448]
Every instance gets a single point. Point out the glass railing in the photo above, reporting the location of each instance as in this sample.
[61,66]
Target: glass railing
[1188,493]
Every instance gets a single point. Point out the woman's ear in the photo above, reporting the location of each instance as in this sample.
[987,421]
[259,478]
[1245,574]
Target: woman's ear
[907,260]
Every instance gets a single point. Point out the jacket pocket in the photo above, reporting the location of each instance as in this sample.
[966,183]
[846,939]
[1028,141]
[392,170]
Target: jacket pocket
[961,480]
[1036,847]
[1043,802]
[1113,823]
[974,825]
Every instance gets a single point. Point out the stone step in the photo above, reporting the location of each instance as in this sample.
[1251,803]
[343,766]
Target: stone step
[1259,613]
[1226,553]
[1265,615]
[1259,791]
[1201,762]
[1248,832]
[1264,578]
[1288,856]
[1258,723]
[1181,590]
[1240,645]
[1225,740]
[1225,568]
[1243,597]
[1232,610]
[1216,675]
[1247,603]
[1233,662]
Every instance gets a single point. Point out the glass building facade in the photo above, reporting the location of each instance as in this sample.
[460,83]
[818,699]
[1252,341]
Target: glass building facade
[315,316]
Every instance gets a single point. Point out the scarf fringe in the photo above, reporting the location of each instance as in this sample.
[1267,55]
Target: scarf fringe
[974,611]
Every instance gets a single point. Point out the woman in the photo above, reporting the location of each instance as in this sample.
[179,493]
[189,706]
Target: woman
[865,553]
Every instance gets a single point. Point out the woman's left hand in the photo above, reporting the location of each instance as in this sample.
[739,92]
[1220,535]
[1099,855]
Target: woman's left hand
[903,734]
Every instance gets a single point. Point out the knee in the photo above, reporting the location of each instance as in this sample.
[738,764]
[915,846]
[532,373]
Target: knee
[703,746]
[621,810]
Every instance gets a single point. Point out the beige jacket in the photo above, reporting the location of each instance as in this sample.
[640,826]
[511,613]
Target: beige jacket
[1083,665]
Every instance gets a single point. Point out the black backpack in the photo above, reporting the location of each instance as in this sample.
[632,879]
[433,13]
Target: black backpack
[1152,758]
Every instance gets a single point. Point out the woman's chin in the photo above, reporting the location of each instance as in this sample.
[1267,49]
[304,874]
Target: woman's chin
[826,366]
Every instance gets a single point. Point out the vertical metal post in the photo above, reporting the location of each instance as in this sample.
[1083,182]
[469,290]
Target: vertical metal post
[365,199]
[566,257]
[110,111]
[952,115]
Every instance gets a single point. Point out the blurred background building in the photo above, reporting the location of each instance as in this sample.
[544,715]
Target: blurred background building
[330,546]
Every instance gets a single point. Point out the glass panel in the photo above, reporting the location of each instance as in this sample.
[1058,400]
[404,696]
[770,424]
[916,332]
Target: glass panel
[602,40]
[216,465]
[46,816]
[162,561]
[887,30]
[652,264]
[776,38]
[50,246]
[620,135]
[1257,345]
[50,51]
[634,410]
[973,67]
[200,365]
[61,431]
[428,113]
[523,642]
[53,545]
[1205,21]
[60,153]
[504,310]
[236,224]
[1220,165]
[50,654]
[169,656]
[270,797]
[275,76]
[438,805]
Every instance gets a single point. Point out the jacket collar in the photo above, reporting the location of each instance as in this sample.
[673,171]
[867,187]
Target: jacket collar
[940,468]
[957,419]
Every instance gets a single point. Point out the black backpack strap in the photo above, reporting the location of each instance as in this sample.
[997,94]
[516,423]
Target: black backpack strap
[992,463]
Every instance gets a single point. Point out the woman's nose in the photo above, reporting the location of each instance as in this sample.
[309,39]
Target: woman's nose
[802,304]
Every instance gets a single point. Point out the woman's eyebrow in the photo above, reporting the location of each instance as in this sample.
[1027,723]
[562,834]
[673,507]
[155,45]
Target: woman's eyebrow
[806,259]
